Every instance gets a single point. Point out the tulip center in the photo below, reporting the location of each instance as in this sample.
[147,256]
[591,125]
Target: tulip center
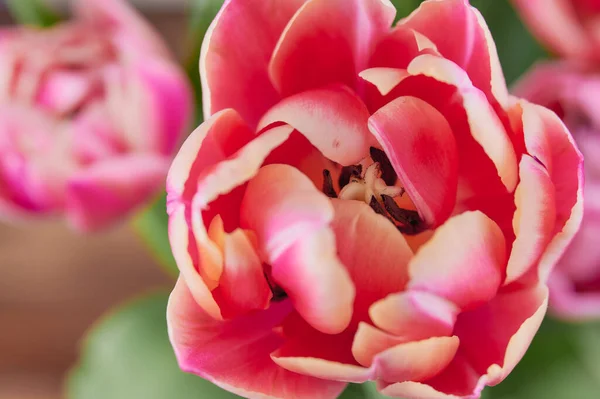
[376,185]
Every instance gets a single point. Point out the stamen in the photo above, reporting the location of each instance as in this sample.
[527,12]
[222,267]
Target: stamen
[328,184]
[410,219]
[347,173]
[278,293]
[376,206]
[388,174]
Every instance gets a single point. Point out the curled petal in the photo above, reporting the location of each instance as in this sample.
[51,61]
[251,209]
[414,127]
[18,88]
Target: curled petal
[211,349]
[547,139]
[333,119]
[421,147]
[533,220]
[414,315]
[231,73]
[470,46]
[291,220]
[474,272]
[328,41]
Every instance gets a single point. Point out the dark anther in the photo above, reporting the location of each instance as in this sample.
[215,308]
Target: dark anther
[410,219]
[347,173]
[376,206]
[278,293]
[328,184]
[388,174]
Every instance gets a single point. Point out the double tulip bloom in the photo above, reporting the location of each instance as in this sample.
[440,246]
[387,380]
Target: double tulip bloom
[571,88]
[363,203]
[91,112]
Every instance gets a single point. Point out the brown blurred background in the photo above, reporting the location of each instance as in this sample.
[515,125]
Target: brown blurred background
[54,283]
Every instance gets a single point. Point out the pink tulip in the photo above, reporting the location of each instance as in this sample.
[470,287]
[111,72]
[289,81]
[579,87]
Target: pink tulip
[571,28]
[91,111]
[363,203]
[574,93]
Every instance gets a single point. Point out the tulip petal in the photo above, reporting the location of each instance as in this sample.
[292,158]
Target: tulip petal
[399,47]
[102,193]
[416,361]
[472,275]
[548,140]
[291,220]
[328,41]
[533,220]
[129,30]
[375,254]
[421,147]
[236,354]
[310,352]
[232,73]
[333,119]
[495,336]
[414,315]
[470,45]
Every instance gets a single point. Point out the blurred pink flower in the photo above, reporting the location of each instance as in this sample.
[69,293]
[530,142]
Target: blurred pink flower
[571,28]
[363,204]
[573,92]
[91,112]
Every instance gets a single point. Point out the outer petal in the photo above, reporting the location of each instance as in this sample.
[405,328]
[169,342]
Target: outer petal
[104,192]
[415,315]
[328,41]
[235,56]
[291,220]
[556,23]
[470,46]
[473,273]
[548,140]
[333,119]
[495,337]
[533,220]
[399,47]
[236,354]
[422,149]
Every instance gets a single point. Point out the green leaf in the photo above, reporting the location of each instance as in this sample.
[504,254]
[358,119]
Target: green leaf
[562,363]
[151,225]
[128,356]
[362,391]
[32,12]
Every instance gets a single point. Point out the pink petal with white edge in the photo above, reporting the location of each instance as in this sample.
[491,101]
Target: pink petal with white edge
[416,361]
[485,126]
[373,251]
[310,352]
[370,341]
[471,45]
[235,354]
[235,56]
[291,218]
[556,23]
[548,140]
[533,220]
[328,41]
[213,141]
[398,48]
[384,79]
[414,315]
[242,283]
[105,192]
[495,336]
[472,275]
[421,147]
[334,119]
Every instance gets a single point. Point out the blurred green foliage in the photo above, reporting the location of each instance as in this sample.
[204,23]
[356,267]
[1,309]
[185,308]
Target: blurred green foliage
[32,12]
